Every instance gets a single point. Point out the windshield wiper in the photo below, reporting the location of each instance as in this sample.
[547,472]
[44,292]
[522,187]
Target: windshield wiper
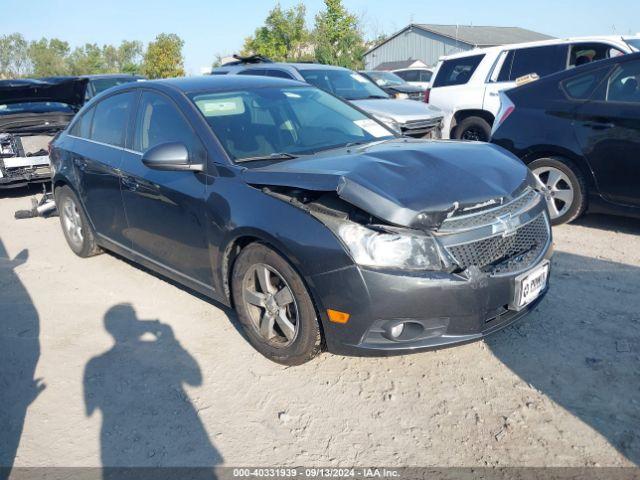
[273,156]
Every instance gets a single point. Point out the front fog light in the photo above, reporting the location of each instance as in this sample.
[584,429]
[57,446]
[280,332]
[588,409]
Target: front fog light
[397,330]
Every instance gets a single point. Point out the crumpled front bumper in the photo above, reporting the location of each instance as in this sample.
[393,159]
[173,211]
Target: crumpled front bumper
[450,308]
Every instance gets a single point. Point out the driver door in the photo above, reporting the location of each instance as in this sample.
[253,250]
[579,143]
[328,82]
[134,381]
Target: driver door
[165,209]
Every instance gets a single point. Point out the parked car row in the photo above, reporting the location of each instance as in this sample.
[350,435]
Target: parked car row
[32,112]
[410,118]
[466,85]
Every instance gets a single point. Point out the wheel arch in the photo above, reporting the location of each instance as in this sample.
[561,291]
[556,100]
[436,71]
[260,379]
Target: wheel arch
[461,115]
[545,151]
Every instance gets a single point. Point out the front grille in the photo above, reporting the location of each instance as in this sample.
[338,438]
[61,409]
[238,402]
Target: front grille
[504,254]
[467,221]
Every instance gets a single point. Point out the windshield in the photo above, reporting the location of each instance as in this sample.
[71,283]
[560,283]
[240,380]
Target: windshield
[34,107]
[634,42]
[102,84]
[284,121]
[343,83]
[384,79]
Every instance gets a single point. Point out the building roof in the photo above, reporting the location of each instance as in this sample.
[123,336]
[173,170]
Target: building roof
[401,64]
[475,36]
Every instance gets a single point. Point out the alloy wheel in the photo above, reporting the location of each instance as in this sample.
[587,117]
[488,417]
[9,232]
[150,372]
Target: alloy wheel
[271,305]
[557,189]
[72,222]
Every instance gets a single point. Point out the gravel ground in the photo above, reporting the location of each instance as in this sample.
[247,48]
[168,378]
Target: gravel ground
[116,366]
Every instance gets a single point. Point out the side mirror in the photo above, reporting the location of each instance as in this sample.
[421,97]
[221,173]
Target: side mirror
[170,156]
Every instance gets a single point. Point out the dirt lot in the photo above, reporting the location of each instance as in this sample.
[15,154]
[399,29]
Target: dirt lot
[101,385]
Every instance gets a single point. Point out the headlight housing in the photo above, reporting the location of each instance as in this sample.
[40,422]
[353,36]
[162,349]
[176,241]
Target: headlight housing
[390,122]
[405,250]
[401,96]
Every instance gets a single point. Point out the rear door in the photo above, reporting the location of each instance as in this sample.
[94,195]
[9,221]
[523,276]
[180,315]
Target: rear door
[516,63]
[165,209]
[608,129]
[99,138]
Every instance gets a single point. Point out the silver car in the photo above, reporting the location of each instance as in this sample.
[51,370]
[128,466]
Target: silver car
[411,118]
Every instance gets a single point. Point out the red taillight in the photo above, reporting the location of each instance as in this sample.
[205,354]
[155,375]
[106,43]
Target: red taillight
[508,111]
[506,108]
[427,94]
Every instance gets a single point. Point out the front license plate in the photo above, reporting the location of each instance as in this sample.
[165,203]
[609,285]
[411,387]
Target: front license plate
[530,285]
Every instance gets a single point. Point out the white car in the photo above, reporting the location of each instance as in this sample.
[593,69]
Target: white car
[418,76]
[466,85]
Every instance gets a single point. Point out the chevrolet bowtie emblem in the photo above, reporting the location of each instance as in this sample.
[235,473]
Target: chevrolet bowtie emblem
[507,225]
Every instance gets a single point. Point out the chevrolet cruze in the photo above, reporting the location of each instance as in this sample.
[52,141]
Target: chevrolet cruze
[320,226]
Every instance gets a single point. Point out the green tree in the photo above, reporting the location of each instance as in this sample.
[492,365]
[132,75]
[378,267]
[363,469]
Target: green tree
[86,60]
[163,58]
[338,36]
[49,57]
[14,56]
[283,37]
[129,57]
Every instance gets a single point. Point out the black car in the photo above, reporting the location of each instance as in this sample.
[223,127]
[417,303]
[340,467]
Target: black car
[394,85]
[579,132]
[98,83]
[322,227]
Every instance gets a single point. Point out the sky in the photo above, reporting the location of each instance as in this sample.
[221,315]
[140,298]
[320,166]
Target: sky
[211,27]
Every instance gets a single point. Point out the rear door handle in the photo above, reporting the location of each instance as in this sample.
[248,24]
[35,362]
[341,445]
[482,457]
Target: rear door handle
[130,183]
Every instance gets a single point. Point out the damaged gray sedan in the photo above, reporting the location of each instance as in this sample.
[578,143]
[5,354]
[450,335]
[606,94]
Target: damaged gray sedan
[319,225]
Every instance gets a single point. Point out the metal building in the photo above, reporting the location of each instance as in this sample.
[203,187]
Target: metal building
[428,43]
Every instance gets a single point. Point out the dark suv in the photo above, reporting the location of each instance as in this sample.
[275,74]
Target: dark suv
[317,223]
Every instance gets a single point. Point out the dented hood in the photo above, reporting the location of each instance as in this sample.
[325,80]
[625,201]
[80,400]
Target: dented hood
[407,183]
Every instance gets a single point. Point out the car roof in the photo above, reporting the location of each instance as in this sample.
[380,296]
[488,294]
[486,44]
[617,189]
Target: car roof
[559,76]
[111,75]
[540,43]
[214,83]
[297,66]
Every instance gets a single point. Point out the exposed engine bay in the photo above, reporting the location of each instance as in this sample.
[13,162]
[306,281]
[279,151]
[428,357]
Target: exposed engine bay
[24,158]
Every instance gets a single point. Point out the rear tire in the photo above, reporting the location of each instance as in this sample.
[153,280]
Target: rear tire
[473,129]
[274,307]
[75,224]
[564,187]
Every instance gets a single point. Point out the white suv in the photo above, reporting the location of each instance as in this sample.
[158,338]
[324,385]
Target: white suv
[466,86]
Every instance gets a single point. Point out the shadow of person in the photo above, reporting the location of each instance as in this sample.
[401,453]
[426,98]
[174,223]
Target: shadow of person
[147,417]
[19,354]
[582,345]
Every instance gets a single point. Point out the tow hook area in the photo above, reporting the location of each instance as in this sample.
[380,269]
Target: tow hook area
[45,206]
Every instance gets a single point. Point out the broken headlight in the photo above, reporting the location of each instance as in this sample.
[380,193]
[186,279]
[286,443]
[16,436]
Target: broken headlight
[401,249]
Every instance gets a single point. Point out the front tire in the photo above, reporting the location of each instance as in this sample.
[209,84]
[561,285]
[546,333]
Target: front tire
[475,129]
[563,186]
[75,225]
[274,307]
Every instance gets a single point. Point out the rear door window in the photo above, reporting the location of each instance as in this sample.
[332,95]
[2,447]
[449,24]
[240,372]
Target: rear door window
[252,71]
[425,75]
[457,71]
[111,119]
[540,60]
[278,74]
[581,87]
[624,84]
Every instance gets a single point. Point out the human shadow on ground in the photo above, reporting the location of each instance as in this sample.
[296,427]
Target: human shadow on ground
[148,419]
[19,354]
[582,347]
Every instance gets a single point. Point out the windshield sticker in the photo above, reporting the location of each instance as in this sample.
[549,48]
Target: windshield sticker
[372,128]
[219,107]
[359,78]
